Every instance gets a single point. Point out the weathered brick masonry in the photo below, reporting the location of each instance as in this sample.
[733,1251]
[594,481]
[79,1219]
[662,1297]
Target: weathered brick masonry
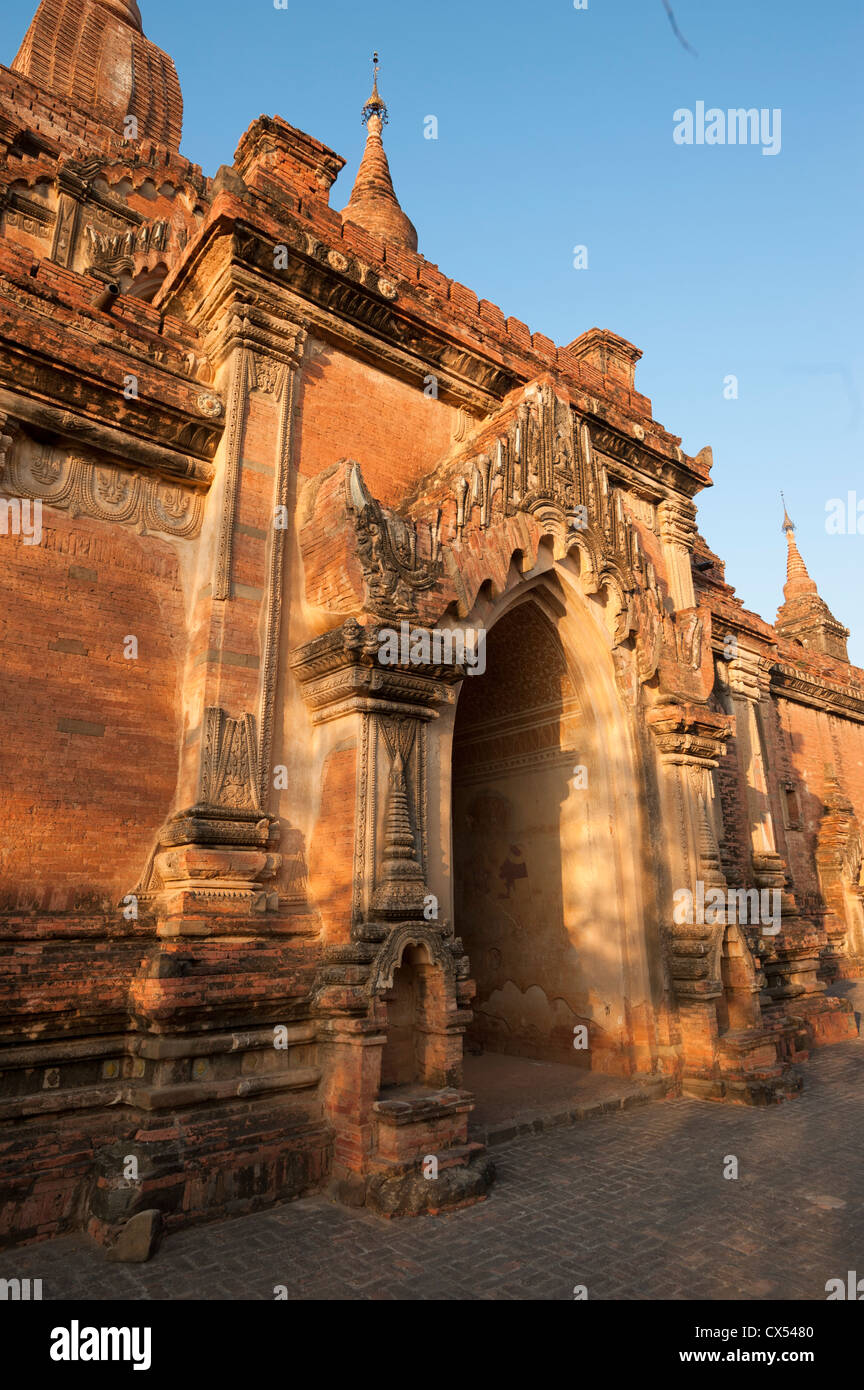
[258,881]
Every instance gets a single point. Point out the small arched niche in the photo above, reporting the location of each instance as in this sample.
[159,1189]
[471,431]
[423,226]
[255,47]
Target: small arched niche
[413,1001]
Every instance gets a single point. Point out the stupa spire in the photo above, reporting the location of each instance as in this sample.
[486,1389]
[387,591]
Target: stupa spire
[798,579]
[93,53]
[805,618]
[373,204]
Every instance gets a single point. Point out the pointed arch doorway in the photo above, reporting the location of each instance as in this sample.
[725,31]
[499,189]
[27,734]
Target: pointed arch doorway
[542,902]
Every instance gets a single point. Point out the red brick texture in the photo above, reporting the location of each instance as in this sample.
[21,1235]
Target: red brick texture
[92,738]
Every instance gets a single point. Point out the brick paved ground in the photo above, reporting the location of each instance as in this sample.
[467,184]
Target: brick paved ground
[633,1205]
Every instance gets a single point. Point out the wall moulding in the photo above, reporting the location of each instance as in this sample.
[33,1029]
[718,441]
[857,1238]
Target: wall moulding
[80,432]
[796,684]
[62,401]
[105,492]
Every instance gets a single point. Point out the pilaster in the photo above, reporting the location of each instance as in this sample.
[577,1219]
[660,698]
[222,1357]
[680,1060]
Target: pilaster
[677,518]
[384,712]
[791,957]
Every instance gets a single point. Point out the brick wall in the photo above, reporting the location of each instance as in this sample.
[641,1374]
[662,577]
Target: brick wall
[90,738]
[331,851]
[814,740]
[349,410]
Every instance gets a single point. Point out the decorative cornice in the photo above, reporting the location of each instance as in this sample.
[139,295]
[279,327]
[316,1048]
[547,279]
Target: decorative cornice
[677,517]
[793,683]
[80,431]
[377,315]
[689,734]
[339,673]
[169,411]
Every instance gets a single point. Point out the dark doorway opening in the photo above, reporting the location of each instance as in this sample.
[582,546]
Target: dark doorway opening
[515,815]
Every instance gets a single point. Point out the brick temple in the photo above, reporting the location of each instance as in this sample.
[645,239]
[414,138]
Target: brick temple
[262,884]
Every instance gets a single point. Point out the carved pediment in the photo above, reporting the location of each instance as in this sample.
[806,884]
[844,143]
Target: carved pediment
[388,548]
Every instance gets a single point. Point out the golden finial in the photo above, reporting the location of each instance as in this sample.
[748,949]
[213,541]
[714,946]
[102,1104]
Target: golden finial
[375,106]
[788,523]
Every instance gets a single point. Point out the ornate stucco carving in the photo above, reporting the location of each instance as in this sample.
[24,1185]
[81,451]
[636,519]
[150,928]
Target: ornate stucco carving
[546,461]
[401,890]
[807,688]
[439,945]
[677,517]
[115,251]
[748,675]
[85,487]
[229,762]
[387,547]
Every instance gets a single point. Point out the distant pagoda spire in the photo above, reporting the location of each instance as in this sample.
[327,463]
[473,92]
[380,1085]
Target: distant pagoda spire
[805,618]
[798,579]
[373,204]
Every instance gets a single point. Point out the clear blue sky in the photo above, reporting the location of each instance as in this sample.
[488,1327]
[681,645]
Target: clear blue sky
[555,129]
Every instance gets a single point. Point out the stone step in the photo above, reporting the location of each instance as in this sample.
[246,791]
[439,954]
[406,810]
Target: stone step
[525,1122]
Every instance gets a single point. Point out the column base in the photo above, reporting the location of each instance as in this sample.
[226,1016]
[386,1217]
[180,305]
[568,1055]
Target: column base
[753,1068]
[437,1182]
[822,1019]
[422,1161]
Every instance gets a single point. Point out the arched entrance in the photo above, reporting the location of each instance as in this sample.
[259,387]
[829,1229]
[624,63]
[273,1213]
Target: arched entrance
[540,901]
